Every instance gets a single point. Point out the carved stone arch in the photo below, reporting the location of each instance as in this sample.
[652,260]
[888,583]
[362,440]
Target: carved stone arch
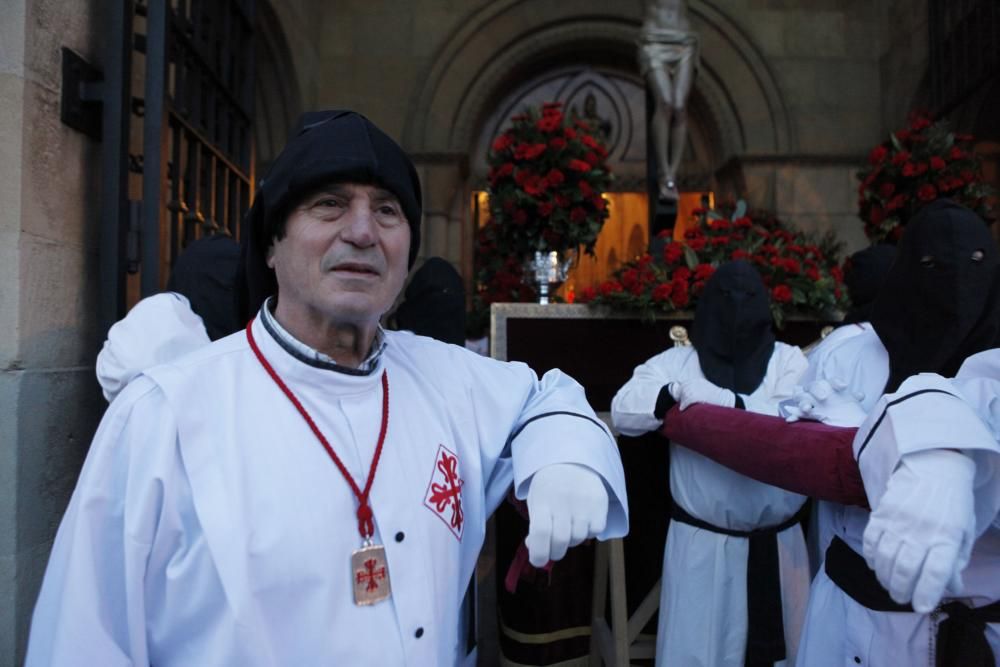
[277,95]
[506,39]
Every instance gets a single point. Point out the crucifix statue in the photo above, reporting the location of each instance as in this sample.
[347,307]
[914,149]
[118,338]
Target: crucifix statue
[668,61]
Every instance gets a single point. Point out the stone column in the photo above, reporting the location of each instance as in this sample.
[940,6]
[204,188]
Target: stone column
[49,401]
[815,193]
[444,232]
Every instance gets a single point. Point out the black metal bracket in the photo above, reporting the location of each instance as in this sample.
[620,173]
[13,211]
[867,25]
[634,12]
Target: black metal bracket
[82,99]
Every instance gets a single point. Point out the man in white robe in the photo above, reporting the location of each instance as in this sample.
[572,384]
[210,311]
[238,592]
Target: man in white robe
[704,617]
[215,522]
[939,306]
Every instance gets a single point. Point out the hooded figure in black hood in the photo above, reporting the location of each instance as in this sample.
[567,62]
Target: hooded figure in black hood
[724,527]
[364,154]
[435,303]
[732,328]
[864,276]
[941,300]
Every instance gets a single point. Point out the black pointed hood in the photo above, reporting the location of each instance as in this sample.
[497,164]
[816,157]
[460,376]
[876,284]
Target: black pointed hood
[732,328]
[325,147]
[940,302]
[435,303]
[864,276]
[205,273]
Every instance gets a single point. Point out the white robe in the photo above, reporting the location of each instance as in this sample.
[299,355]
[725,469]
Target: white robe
[840,632]
[821,517]
[703,602]
[209,527]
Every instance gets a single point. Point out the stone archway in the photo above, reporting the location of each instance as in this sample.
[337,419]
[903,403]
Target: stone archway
[277,96]
[508,41]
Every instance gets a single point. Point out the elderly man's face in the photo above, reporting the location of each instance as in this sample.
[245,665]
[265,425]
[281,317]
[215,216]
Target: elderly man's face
[344,254]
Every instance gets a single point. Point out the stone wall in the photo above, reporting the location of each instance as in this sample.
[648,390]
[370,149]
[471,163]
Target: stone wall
[425,70]
[49,401]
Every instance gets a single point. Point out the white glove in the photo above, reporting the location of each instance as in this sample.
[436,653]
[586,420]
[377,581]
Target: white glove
[567,503]
[701,390]
[920,536]
[828,402]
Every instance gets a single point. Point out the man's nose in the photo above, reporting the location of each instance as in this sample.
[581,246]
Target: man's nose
[360,229]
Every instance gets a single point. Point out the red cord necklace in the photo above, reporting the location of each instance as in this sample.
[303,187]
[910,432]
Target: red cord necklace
[369,571]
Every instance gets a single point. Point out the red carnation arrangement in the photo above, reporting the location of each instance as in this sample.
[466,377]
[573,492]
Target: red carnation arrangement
[547,174]
[915,166]
[802,275]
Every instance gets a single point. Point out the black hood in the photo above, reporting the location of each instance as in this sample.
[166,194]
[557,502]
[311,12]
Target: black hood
[435,303]
[940,302]
[732,328]
[325,147]
[864,276]
[205,273]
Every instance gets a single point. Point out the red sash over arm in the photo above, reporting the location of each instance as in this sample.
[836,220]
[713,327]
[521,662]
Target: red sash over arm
[804,457]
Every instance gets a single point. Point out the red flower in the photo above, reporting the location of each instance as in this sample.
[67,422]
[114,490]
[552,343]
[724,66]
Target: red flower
[555,177]
[535,185]
[672,252]
[662,292]
[937,164]
[813,274]
[897,202]
[909,170]
[876,215]
[561,201]
[545,209]
[719,240]
[782,294]
[968,176]
[589,141]
[585,188]
[837,274]
[569,133]
[549,122]
[926,192]
[557,143]
[878,155]
[792,266]
[579,165]
[900,157]
[903,135]
[920,123]
[681,273]
[577,215]
[957,153]
[696,243]
[551,105]
[599,202]
[679,294]
[703,271]
[523,175]
[528,151]
[744,222]
[886,190]
[592,158]
[610,287]
[502,143]
[587,294]
[739,253]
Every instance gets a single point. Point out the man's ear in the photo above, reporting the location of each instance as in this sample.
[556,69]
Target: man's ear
[269,258]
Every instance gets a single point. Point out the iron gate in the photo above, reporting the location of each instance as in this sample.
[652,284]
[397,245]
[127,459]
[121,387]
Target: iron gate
[178,159]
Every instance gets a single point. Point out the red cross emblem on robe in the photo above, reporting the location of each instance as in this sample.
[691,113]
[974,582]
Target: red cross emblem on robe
[444,492]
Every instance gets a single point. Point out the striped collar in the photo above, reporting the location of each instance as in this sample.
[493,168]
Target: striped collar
[308,355]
